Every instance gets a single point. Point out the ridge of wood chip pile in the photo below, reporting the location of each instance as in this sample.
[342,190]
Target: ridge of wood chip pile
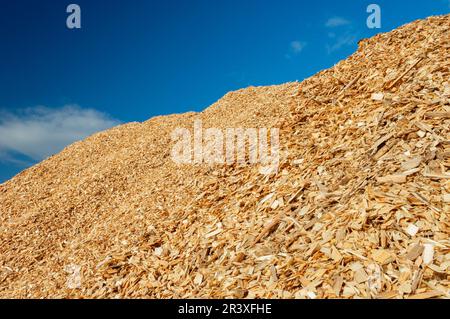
[359,207]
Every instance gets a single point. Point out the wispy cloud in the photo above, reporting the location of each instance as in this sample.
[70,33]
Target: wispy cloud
[295,48]
[39,132]
[336,22]
[6,157]
[346,39]
[341,35]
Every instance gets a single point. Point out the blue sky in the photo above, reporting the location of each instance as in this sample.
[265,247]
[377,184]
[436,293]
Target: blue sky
[135,59]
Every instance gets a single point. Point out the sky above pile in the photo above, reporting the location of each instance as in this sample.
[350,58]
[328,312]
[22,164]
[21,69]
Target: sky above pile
[135,59]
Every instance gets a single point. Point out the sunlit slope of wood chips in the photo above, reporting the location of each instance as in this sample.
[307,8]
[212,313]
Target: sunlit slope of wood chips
[359,206]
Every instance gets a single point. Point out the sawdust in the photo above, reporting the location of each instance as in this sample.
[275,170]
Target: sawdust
[358,208]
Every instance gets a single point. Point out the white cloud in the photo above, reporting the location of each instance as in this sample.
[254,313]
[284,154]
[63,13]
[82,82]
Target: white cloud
[295,47]
[39,132]
[336,22]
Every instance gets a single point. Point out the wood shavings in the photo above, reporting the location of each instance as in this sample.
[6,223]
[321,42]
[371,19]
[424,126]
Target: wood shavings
[358,207]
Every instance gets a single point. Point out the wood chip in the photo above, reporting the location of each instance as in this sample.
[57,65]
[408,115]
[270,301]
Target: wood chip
[198,279]
[441,115]
[412,163]
[415,252]
[428,254]
[412,230]
[213,233]
[377,96]
[392,179]
[382,256]
[360,276]
[337,286]
[270,227]
[446,198]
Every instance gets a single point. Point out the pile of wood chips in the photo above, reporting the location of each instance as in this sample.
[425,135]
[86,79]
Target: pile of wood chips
[359,207]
